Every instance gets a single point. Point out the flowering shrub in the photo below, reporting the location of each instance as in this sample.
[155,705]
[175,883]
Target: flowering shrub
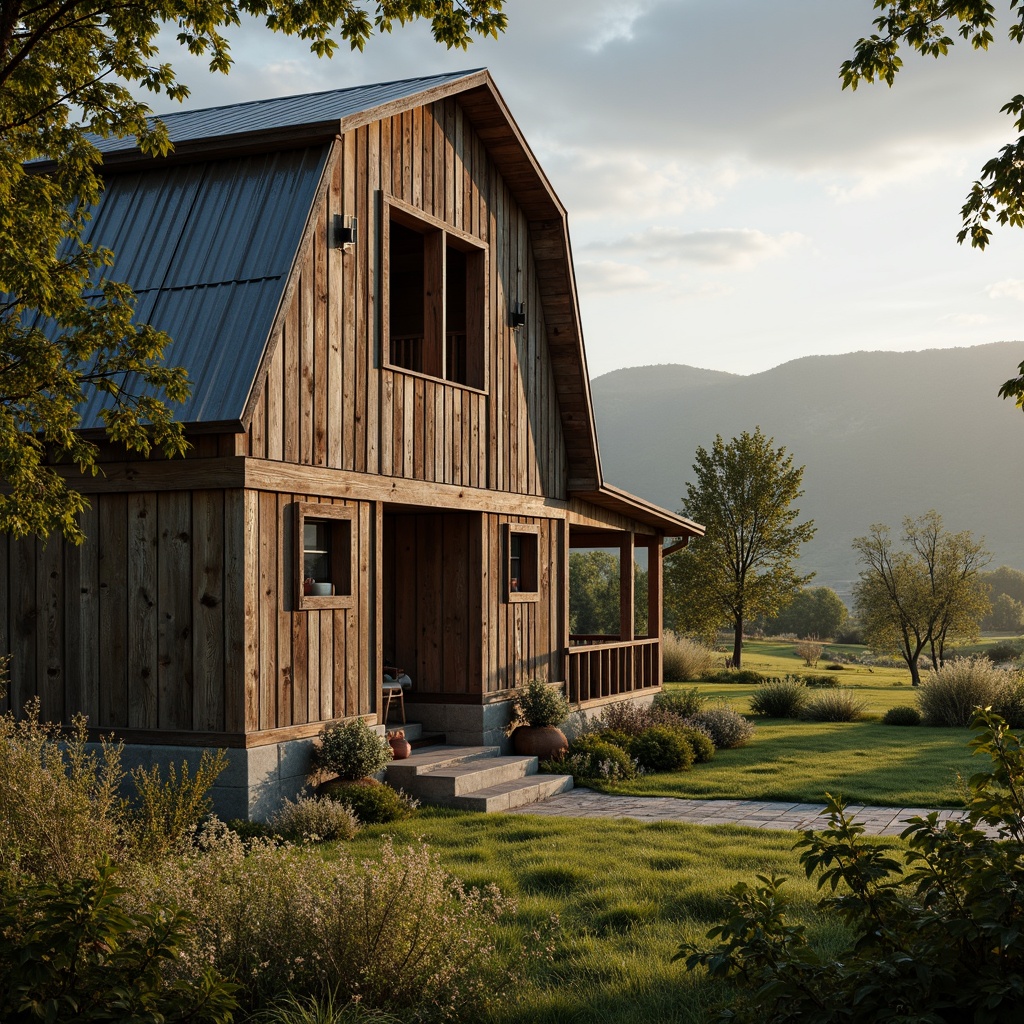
[726,728]
[397,932]
[313,819]
[591,758]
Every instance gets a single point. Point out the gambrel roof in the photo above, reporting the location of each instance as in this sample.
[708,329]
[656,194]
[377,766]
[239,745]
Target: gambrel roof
[209,237]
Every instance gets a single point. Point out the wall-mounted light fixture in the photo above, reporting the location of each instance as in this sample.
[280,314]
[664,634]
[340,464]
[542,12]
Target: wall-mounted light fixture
[344,232]
[517,316]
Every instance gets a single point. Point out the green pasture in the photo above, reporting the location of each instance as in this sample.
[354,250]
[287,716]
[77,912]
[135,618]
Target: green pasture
[624,895]
[866,762]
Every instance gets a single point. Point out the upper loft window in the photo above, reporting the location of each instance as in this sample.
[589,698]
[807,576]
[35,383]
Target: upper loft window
[436,302]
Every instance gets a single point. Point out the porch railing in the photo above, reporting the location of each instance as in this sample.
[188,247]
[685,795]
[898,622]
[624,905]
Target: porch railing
[599,667]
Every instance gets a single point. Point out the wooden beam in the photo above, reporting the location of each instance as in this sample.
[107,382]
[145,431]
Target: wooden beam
[627,613]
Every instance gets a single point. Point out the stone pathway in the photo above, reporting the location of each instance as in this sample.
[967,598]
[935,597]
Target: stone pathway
[585,803]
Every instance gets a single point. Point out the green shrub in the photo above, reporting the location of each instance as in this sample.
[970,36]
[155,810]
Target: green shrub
[702,743]
[902,714]
[615,736]
[538,704]
[683,659]
[315,819]
[950,695]
[779,698]
[372,802]
[1006,650]
[1011,702]
[679,702]
[351,750]
[835,706]
[60,808]
[660,749]
[592,759]
[71,952]
[164,812]
[836,667]
[932,932]
[741,676]
[727,728]
[817,682]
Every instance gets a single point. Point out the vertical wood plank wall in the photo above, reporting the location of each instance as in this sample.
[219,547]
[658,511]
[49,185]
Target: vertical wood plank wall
[446,619]
[327,401]
[175,615]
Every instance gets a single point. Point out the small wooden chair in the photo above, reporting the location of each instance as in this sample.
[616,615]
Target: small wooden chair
[392,689]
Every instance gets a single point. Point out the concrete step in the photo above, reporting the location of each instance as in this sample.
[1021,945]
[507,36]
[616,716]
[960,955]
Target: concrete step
[424,760]
[516,793]
[442,785]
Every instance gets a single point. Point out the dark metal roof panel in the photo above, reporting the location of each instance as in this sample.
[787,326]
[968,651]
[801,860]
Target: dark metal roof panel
[284,111]
[207,249]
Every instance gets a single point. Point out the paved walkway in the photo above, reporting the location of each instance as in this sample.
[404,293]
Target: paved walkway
[585,803]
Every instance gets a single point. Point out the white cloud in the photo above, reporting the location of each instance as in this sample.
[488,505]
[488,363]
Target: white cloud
[966,319]
[1007,289]
[608,276]
[735,248]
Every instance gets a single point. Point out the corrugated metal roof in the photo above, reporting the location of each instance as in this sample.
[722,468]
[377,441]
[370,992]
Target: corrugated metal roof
[285,111]
[207,248]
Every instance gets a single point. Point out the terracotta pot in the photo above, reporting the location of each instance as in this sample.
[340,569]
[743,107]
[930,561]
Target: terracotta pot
[542,741]
[401,748]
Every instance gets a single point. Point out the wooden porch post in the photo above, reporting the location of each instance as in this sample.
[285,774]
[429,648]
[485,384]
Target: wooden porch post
[627,614]
[655,600]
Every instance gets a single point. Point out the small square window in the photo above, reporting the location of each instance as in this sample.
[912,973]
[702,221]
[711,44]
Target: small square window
[522,565]
[324,556]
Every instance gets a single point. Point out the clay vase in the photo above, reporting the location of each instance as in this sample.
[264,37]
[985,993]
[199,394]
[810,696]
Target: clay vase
[401,748]
[546,742]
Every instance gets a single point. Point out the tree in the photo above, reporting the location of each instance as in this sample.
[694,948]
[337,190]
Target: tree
[594,594]
[1007,615]
[998,192]
[814,611]
[920,598]
[67,68]
[743,565]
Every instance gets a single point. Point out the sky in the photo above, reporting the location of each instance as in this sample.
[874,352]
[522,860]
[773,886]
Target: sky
[730,206]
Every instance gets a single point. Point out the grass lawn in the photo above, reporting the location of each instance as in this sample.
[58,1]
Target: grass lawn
[625,895]
[866,762]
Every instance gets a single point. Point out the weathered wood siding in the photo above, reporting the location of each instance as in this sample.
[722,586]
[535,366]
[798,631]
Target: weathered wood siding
[143,626]
[328,401]
[176,616]
[446,617]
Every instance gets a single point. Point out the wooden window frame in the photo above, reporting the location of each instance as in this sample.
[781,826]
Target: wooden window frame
[438,238]
[531,534]
[341,519]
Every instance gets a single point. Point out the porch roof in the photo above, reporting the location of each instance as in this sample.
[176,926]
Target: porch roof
[626,504]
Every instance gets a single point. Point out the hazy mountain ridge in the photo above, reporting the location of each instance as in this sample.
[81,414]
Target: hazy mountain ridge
[881,434]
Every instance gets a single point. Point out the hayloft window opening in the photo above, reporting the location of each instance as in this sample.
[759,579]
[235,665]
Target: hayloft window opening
[436,300]
[522,565]
[324,556]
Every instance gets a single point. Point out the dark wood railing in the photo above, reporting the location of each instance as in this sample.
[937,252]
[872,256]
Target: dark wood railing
[600,666]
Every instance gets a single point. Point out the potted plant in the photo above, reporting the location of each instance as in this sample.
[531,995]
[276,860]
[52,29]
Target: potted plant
[540,709]
[353,752]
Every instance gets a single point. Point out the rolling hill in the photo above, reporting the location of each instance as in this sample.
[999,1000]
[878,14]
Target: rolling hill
[881,434]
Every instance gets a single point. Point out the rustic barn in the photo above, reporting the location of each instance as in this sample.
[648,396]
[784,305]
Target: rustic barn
[392,444]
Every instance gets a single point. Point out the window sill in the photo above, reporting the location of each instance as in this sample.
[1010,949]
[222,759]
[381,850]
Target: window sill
[329,602]
[435,380]
[522,596]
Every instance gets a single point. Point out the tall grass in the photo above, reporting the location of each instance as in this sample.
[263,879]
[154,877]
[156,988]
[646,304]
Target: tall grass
[685,660]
